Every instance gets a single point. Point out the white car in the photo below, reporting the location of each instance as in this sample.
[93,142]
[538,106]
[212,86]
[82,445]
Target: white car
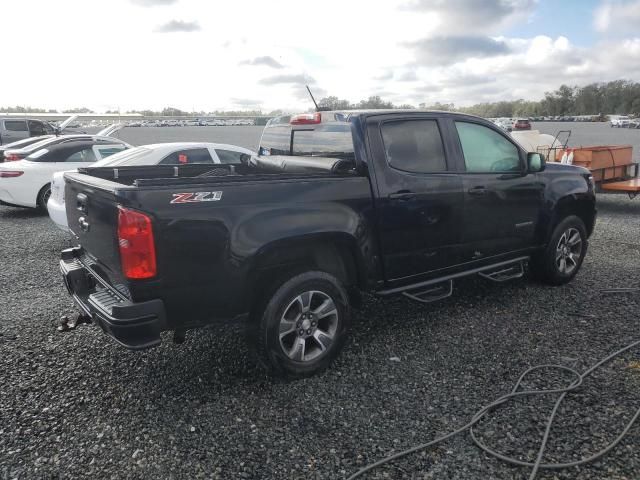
[27,182]
[621,121]
[179,153]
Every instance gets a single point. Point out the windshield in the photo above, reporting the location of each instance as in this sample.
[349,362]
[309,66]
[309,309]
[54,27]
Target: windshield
[134,156]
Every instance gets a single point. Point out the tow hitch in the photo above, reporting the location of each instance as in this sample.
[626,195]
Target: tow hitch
[66,325]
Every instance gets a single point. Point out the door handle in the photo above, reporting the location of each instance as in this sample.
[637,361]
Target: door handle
[478,191]
[402,195]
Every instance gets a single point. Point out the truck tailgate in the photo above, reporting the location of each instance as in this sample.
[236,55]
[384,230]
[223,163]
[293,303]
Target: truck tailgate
[92,216]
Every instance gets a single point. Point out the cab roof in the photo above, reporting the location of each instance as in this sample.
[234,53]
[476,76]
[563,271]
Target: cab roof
[340,116]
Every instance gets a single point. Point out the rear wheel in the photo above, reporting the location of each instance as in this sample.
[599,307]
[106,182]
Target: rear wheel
[304,324]
[43,196]
[562,258]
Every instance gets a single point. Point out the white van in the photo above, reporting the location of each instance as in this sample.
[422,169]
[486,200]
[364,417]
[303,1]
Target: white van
[13,129]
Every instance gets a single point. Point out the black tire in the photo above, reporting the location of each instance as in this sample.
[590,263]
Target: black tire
[43,197]
[547,266]
[277,312]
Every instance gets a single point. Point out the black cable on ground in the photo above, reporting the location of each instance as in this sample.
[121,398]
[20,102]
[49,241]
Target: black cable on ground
[538,464]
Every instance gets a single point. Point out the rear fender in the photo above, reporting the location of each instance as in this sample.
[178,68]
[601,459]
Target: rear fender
[336,253]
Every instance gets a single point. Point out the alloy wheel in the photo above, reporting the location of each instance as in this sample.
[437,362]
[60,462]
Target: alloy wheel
[308,326]
[568,251]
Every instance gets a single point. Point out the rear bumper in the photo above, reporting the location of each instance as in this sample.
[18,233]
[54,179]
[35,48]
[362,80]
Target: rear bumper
[58,213]
[134,325]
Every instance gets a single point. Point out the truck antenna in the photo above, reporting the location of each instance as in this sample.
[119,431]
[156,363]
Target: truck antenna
[312,99]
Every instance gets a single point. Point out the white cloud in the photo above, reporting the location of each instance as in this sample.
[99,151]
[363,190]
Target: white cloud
[153,3]
[618,17]
[473,16]
[266,61]
[448,51]
[178,26]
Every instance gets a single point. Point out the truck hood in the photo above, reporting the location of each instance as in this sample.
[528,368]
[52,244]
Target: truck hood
[560,167]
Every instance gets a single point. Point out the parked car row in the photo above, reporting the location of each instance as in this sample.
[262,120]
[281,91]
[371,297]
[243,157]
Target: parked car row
[32,171]
[191,123]
[623,121]
[25,177]
[510,124]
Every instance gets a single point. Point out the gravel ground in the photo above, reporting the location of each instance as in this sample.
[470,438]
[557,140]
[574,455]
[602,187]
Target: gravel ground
[76,405]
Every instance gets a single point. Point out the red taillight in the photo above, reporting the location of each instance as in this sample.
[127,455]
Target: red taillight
[306,119]
[12,157]
[10,173]
[137,248]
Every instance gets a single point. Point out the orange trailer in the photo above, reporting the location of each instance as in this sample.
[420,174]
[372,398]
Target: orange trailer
[612,166]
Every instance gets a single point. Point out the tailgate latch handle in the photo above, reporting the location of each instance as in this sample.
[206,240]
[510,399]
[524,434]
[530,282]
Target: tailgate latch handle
[84,225]
[82,202]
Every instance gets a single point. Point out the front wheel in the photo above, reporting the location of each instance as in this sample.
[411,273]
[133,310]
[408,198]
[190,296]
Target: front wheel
[304,325]
[562,258]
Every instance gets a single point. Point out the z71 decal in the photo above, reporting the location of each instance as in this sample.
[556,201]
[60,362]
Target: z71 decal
[196,197]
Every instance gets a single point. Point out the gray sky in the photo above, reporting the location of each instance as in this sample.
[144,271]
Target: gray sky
[241,54]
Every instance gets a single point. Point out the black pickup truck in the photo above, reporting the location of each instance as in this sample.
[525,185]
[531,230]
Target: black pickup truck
[336,203]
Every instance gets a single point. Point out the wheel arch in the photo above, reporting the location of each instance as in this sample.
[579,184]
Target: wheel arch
[336,253]
[48,184]
[581,207]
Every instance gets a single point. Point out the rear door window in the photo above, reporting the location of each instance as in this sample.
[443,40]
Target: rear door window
[184,157]
[16,125]
[414,146]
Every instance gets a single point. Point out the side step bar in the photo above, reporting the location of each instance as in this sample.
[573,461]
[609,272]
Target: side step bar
[439,288]
[433,293]
[504,274]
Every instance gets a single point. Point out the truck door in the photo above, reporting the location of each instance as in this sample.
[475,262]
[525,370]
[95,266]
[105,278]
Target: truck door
[419,194]
[501,200]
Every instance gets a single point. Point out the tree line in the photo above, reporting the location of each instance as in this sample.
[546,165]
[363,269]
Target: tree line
[616,97]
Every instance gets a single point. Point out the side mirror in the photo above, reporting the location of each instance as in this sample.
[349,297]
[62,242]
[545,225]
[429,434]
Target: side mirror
[535,162]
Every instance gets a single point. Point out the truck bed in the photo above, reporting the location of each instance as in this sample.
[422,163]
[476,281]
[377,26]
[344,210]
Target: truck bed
[211,224]
[259,168]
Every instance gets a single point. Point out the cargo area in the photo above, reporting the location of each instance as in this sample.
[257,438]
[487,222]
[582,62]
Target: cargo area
[264,167]
[613,167]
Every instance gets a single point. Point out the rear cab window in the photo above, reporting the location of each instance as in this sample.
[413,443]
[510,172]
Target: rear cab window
[331,138]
